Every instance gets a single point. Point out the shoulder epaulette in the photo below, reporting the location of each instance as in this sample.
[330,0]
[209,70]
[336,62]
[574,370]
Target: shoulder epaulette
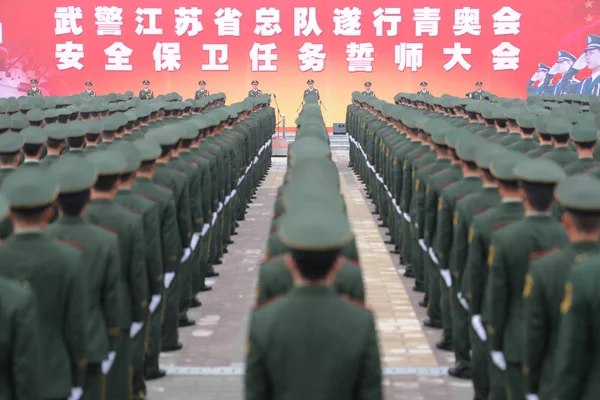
[481,210]
[106,228]
[192,163]
[131,210]
[164,187]
[179,171]
[502,225]
[146,196]
[351,261]
[266,260]
[542,253]
[355,301]
[268,301]
[69,243]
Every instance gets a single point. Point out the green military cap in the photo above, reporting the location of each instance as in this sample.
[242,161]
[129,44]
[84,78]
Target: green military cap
[580,192]
[422,84]
[131,154]
[33,81]
[539,170]
[512,112]
[503,165]
[35,115]
[526,119]
[108,162]
[94,127]
[111,123]
[558,126]
[584,132]
[485,153]
[146,82]
[439,138]
[149,149]
[310,81]
[76,130]
[25,104]
[51,113]
[317,231]
[12,105]
[254,82]
[88,83]
[188,130]
[202,83]
[4,121]
[74,174]
[28,188]
[165,136]
[455,136]
[56,131]
[498,113]
[11,142]
[34,135]
[478,83]
[466,148]
[18,121]
[367,84]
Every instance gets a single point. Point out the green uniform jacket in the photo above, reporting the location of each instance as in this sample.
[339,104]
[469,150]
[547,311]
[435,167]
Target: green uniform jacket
[169,178]
[130,231]
[578,354]
[48,160]
[476,272]
[466,210]
[205,190]
[581,165]
[190,171]
[275,280]
[102,269]
[446,218]
[437,183]
[54,272]
[146,94]
[20,352]
[299,348]
[169,230]
[511,138]
[563,156]
[421,191]
[148,211]
[543,294]
[512,249]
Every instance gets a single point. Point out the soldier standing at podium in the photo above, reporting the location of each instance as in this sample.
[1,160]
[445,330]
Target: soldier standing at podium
[367,91]
[255,92]
[146,93]
[202,92]
[312,89]
[424,90]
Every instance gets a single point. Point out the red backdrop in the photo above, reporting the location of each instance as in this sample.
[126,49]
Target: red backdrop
[29,45]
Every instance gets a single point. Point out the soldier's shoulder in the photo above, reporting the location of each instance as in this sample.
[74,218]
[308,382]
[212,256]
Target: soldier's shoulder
[268,306]
[356,306]
[272,263]
[14,296]
[543,262]
[100,232]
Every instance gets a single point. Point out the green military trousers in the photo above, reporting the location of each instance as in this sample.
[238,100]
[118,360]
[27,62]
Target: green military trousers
[447,310]
[151,365]
[434,291]
[417,261]
[94,386]
[515,381]
[138,355]
[480,368]
[461,343]
[170,326]
[119,377]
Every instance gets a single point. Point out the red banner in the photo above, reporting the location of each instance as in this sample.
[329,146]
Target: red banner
[339,44]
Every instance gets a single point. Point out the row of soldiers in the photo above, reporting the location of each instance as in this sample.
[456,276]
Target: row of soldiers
[467,189]
[112,221]
[310,290]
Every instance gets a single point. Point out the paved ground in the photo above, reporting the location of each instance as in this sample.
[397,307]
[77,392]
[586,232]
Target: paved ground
[210,367]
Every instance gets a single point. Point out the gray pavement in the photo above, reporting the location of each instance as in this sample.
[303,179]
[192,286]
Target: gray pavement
[210,366]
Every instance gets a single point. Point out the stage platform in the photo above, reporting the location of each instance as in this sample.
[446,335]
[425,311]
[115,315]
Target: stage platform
[280,144]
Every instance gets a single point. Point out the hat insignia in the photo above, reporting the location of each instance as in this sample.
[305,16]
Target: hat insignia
[559,53]
[589,39]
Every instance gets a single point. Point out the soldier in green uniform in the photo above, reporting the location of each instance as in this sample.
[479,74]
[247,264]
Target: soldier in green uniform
[168,177]
[423,90]
[35,117]
[94,129]
[57,139]
[88,89]
[312,90]
[170,244]
[367,91]
[561,153]
[53,271]
[348,370]
[101,263]
[585,138]
[34,90]
[545,282]
[511,251]
[146,93]
[22,355]
[487,381]
[148,210]
[544,138]
[255,91]
[465,211]
[10,147]
[513,129]
[76,139]
[202,92]
[526,126]
[466,149]
[434,188]
[34,139]
[477,94]
[105,211]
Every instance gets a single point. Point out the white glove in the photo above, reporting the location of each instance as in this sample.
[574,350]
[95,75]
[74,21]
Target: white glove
[220,207]
[186,254]
[478,327]
[406,217]
[498,360]
[398,210]
[233,193]
[445,273]
[154,302]
[433,256]
[136,327]
[194,241]
[169,276]
[76,393]
[580,63]
[463,302]
[214,219]
[227,200]
[532,396]
[106,364]
[389,194]
[554,69]
[255,160]
[423,245]
[205,229]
